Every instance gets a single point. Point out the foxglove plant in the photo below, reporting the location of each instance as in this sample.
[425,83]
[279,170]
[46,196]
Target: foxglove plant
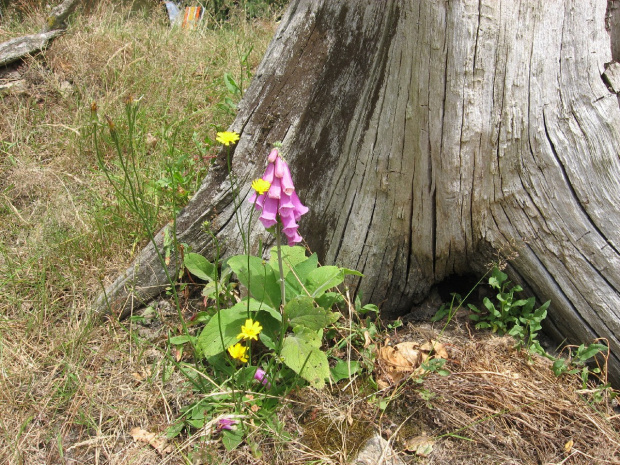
[226,423]
[274,195]
[261,376]
[279,203]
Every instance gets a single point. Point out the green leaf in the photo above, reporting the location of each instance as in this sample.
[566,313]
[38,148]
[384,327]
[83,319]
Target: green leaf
[174,430]
[473,308]
[329,299]
[180,340]
[369,308]
[302,354]
[200,318]
[322,279]
[590,351]
[497,278]
[348,271]
[260,279]
[295,279]
[291,257]
[230,83]
[232,438]
[489,305]
[341,370]
[302,312]
[199,266]
[230,320]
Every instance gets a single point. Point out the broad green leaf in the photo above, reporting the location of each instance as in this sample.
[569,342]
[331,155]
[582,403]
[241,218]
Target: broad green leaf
[295,279]
[199,266]
[341,370]
[348,271]
[520,303]
[232,439]
[230,321]
[591,351]
[322,279]
[329,299]
[260,279]
[174,430]
[301,311]
[302,354]
[497,278]
[291,257]
[373,308]
[489,305]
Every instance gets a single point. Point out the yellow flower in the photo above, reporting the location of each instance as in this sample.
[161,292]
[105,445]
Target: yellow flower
[260,185]
[227,137]
[250,330]
[239,352]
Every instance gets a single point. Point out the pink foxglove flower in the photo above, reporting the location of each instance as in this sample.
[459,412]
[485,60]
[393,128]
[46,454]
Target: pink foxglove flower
[280,202]
[225,423]
[261,376]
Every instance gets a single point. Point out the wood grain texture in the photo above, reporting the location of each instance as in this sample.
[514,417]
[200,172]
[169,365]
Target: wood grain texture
[429,137]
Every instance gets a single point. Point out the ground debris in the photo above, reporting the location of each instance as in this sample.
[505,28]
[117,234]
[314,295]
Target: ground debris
[503,405]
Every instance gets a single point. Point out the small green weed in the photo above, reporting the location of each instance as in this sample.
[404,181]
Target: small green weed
[510,315]
[580,361]
[518,318]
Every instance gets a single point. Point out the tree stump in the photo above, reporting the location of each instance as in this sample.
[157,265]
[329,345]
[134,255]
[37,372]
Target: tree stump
[430,139]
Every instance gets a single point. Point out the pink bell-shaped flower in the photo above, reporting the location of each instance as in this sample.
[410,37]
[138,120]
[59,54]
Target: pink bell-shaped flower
[280,202]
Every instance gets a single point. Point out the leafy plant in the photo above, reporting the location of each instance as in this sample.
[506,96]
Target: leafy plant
[183,172]
[294,334]
[577,361]
[236,89]
[510,315]
[435,365]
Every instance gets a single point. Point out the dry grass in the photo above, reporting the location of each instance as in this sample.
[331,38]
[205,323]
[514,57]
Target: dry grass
[71,391]
[512,409]
[499,405]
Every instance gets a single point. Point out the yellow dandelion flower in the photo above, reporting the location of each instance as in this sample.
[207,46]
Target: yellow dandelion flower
[227,138]
[250,330]
[260,186]
[239,352]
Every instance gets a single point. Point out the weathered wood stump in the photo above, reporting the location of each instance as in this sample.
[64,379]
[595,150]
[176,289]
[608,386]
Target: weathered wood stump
[429,139]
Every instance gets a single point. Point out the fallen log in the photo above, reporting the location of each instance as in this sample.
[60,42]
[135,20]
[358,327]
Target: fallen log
[19,47]
[15,49]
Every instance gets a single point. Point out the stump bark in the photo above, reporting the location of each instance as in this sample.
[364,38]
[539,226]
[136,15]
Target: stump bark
[429,139]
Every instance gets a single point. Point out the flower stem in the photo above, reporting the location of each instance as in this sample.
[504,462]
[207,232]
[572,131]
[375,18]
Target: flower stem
[280,266]
[284,325]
